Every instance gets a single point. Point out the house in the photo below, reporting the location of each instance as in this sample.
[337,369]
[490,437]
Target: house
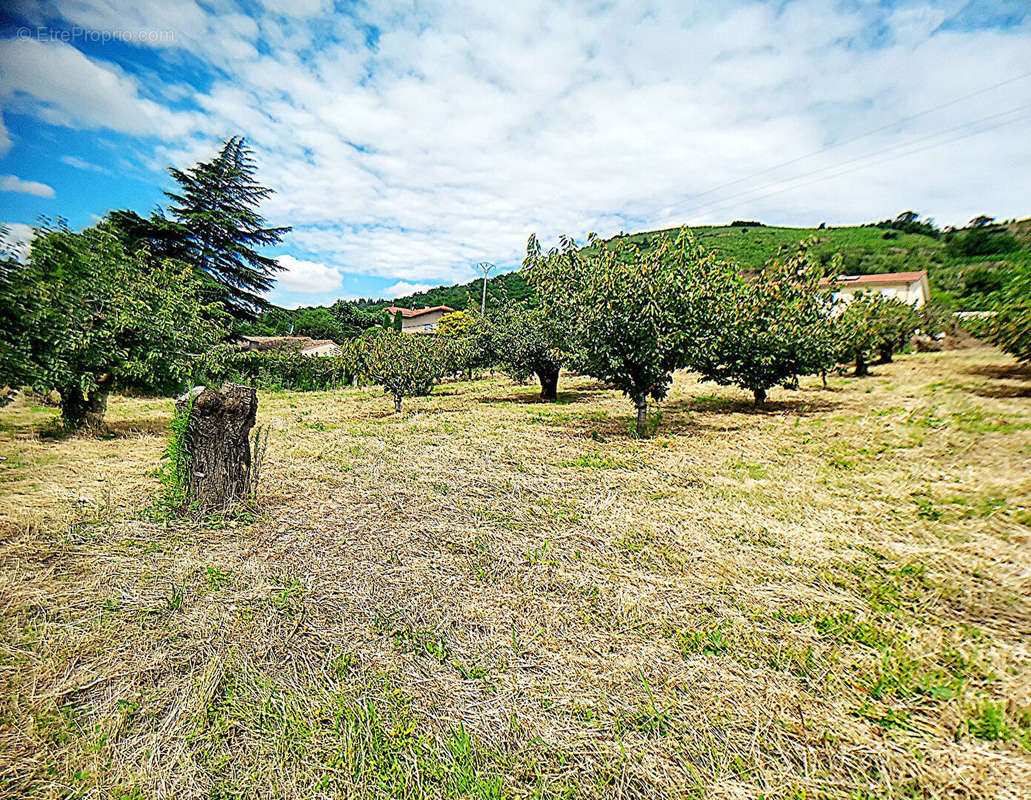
[909,287]
[419,320]
[301,344]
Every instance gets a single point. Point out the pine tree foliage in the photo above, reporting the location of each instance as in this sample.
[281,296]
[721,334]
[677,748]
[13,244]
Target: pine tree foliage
[216,206]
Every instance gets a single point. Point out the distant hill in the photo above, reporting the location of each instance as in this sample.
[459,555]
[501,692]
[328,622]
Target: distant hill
[506,286]
[869,250]
[965,266]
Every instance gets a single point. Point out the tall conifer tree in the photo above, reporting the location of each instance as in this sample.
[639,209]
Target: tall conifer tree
[216,208]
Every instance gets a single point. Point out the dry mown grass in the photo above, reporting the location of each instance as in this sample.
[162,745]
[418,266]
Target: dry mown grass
[487,596]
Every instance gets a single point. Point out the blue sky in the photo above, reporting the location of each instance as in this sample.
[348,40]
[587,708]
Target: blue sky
[408,141]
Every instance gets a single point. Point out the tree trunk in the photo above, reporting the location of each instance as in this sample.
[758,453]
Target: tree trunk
[96,408]
[642,420]
[760,397]
[218,445]
[885,355]
[823,375]
[73,407]
[549,382]
[861,369]
[397,404]
[79,410]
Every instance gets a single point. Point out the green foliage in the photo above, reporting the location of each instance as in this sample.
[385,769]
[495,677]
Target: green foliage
[872,324]
[215,226]
[340,322]
[398,323]
[909,222]
[525,341]
[981,238]
[175,468]
[501,289]
[86,316]
[765,331]
[406,365]
[461,335]
[1010,327]
[281,369]
[629,314]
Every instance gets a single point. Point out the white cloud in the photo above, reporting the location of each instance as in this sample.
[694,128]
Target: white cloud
[18,238]
[465,126]
[12,183]
[81,163]
[72,90]
[403,288]
[5,137]
[306,276]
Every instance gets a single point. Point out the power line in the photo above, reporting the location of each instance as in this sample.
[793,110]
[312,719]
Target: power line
[874,163]
[882,128]
[717,203]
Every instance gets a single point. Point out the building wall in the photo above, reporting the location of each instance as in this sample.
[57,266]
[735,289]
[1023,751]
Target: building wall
[323,350]
[420,323]
[912,293]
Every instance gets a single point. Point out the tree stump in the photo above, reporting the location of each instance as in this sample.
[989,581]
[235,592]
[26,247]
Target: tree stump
[218,444]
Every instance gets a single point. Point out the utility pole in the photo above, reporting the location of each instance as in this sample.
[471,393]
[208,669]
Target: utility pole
[486,267]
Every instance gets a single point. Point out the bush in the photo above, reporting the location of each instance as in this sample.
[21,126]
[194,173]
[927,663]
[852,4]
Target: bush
[278,370]
[406,365]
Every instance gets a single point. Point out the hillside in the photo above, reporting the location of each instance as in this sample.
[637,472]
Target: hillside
[506,286]
[958,279]
[967,267]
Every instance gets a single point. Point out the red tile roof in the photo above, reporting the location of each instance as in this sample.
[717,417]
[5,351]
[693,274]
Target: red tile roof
[884,277]
[416,312]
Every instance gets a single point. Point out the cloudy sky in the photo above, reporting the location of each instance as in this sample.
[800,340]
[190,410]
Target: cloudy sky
[408,141]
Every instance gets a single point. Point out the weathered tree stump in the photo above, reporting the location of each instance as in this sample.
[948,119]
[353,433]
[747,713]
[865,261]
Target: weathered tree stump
[218,444]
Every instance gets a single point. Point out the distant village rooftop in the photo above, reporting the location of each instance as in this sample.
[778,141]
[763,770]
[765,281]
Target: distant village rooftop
[419,320]
[304,345]
[408,313]
[909,287]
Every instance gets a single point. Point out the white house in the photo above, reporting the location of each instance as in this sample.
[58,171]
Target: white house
[304,345]
[909,287]
[419,320]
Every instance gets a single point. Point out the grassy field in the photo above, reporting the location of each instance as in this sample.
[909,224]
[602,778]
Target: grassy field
[487,596]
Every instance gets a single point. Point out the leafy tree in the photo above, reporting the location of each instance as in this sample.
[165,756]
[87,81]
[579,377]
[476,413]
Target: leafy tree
[896,321]
[318,323]
[628,314]
[982,238]
[398,322]
[462,335]
[87,317]
[406,365]
[867,325]
[765,331]
[910,222]
[214,225]
[352,320]
[524,341]
[1010,327]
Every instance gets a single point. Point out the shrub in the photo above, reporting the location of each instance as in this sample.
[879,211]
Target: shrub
[279,370]
[406,365]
